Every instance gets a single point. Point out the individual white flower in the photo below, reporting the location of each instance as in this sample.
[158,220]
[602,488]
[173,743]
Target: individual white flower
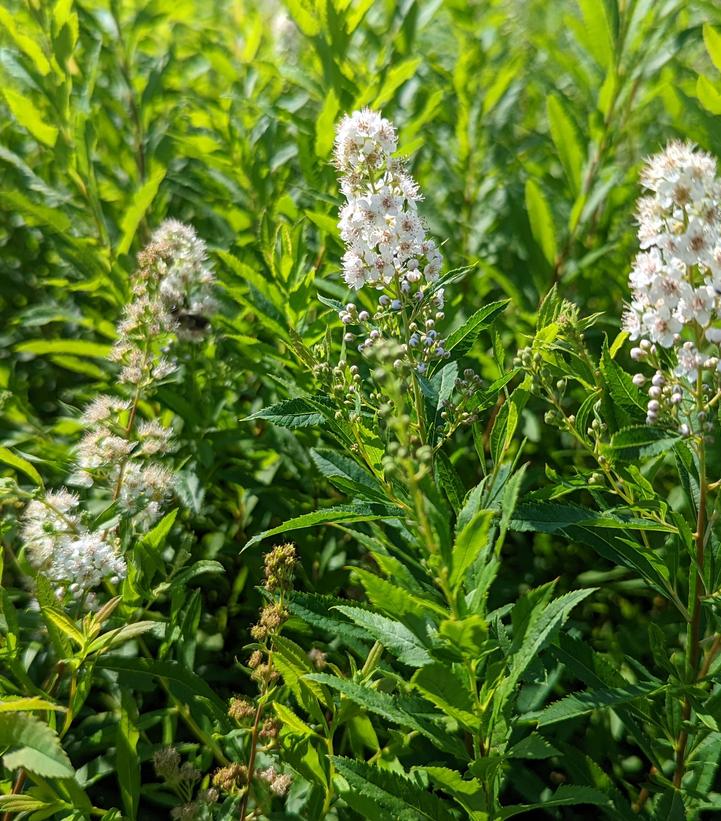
[689,361]
[104,408]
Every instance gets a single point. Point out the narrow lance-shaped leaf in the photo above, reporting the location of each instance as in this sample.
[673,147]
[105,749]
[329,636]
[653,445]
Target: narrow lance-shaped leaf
[565,138]
[460,340]
[578,704]
[361,512]
[11,458]
[541,219]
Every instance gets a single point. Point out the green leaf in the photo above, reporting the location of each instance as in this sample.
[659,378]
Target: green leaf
[291,722]
[28,45]
[74,347]
[393,635]
[35,214]
[119,635]
[564,796]
[468,793]
[541,220]
[318,611]
[626,553]
[134,213]
[347,474]
[533,746]
[400,73]
[461,340]
[712,40]
[600,41]
[447,690]
[305,16]
[469,545]
[26,803]
[325,125]
[708,95]
[294,665]
[359,512]
[642,442]
[381,794]
[63,623]
[554,517]
[578,704]
[565,138]
[29,743]
[395,600]
[509,500]
[393,710]
[325,222]
[24,111]
[182,682]
[620,385]
[20,705]
[292,413]
[126,755]
[155,538]
[553,616]
[11,458]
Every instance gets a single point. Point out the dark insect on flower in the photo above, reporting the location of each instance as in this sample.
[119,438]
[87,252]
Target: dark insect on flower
[189,321]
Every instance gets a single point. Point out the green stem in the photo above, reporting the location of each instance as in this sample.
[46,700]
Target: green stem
[696,594]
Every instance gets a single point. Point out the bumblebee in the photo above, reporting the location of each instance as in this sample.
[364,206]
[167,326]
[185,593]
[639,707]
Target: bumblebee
[189,321]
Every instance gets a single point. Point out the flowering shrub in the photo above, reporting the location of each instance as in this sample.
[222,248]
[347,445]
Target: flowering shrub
[337,481]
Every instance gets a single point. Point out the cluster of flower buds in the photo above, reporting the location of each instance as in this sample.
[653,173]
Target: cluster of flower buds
[672,398]
[279,566]
[457,409]
[410,320]
[279,783]
[231,779]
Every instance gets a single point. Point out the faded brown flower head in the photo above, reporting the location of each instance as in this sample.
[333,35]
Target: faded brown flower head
[317,658]
[241,709]
[278,782]
[231,777]
[167,763]
[279,567]
[270,728]
[271,618]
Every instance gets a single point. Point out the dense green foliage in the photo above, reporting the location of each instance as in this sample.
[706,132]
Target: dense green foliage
[497,606]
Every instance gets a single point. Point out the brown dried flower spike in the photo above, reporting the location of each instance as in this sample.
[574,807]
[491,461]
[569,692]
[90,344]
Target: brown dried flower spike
[279,567]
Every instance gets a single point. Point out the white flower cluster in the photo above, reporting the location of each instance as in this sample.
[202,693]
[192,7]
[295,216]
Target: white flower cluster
[676,278]
[122,455]
[61,547]
[172,294]
[387,246]
[186,281]
[379,223]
